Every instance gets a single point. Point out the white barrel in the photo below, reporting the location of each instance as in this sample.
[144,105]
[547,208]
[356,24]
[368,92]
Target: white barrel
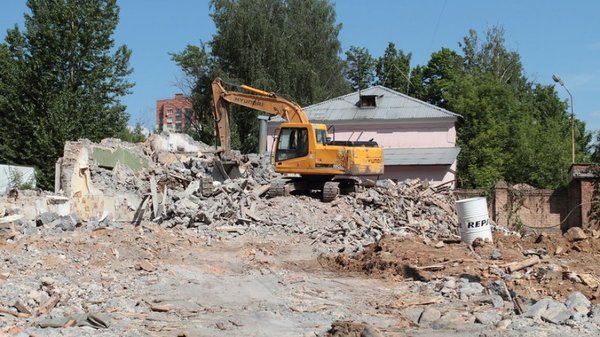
[473,219]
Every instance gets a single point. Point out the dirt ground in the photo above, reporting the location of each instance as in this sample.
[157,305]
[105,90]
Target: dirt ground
[153,281]
[556,275]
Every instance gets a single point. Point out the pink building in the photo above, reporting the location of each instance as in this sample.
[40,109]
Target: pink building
[419,139]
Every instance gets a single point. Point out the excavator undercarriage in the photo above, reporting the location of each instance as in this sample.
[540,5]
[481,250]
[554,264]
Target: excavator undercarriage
[329,187]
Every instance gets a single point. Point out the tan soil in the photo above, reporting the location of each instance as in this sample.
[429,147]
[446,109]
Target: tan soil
[398,258]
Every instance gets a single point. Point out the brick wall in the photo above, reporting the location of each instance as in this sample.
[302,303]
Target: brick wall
[518,206]
[523,206]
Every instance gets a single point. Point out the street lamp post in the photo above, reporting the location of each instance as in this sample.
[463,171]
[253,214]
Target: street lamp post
[557,79]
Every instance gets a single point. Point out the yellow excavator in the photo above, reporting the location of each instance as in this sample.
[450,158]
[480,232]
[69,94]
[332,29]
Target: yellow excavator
[301,148]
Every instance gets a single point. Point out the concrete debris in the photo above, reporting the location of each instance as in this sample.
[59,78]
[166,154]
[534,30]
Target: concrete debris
[144,234]
[96,321]
[352,329]
[429,315]
[575,234]
[488,318]
[579,303]
[498,287]
[175,172]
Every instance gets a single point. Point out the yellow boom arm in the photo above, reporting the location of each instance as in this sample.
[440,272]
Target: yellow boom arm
[257,99]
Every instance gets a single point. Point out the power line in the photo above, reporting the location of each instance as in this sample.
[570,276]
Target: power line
[437,24]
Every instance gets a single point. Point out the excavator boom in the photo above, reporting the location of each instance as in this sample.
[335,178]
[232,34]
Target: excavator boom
[258,100]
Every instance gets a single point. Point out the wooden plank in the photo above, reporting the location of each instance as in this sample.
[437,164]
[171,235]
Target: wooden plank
[49,305]
[154,197]
[518,265]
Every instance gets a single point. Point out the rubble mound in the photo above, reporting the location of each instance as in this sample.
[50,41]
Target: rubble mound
[143,235]
[348,223]
[534,266]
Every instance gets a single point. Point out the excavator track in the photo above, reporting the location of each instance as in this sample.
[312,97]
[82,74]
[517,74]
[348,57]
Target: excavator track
[331,189]
[280,188]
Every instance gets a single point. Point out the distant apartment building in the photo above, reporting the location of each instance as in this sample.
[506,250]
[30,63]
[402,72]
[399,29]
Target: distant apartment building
[174,114]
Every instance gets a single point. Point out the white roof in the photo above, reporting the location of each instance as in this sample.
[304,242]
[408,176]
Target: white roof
[390,105]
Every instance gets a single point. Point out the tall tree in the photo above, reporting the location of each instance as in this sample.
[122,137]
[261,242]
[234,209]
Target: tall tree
[393,69]
[444,69]
[511,129]
[67,76]
[491,55]
[133,135]
[360,67]
[199,68]
[287,46]
[596,150]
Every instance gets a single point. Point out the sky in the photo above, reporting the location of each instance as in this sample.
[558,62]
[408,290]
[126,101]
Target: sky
[552,36]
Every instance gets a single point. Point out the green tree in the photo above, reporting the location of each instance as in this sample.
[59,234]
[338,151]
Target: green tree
[512,129]
[199,69]
[491,55]
[360,67]
[290,47]
[66,78]
[540,154]
[393,69]
[583,142]
[444,69]
[133,135]
[484,131]
[9,145]
[595,157]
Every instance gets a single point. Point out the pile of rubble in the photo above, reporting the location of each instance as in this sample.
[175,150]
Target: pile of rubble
[162,196]
[169,180]
[406,208]
[236,207]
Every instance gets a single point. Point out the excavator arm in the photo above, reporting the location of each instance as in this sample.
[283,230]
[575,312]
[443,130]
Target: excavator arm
[256,99]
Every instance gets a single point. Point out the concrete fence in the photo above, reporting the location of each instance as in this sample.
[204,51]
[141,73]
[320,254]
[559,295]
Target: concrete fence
[521,205]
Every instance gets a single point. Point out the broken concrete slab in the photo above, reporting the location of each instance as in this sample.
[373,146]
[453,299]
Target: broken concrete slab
[46,218]
[429,315]
[538,309]
[499,288]
[59,204]
[166,158]
[7,226]
[488,318]
[557,313]
[110,157]
[575,234]
[577,302]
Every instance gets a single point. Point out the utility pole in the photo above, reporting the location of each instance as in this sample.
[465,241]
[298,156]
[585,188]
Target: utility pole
[557,79]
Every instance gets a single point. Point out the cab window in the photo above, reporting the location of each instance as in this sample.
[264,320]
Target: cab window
[292,143]
[321,136]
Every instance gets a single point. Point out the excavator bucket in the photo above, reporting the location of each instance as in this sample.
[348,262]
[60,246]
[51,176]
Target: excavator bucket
[224,170]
